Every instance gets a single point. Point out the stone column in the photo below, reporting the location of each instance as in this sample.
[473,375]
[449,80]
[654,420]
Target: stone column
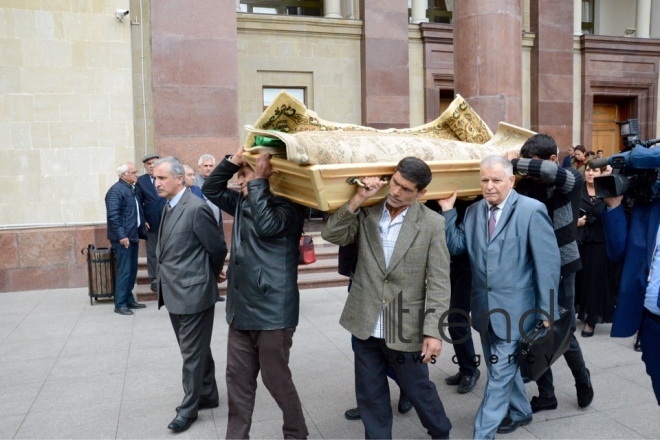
[418,11]
[195,76]
[643,20]
[332,8]
[551,70]
[488,58]
[577,17]
[384,61]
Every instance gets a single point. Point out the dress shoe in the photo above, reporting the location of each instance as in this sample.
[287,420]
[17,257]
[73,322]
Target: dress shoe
[180,423]
[404,405]
[468,381]
[508,426]
[154,286]
[543,403]
[586,333]
[221,298]
[203,405]
[453,380]
[352,414]
[137,305]
[585,392]
[123,310]
[638,344]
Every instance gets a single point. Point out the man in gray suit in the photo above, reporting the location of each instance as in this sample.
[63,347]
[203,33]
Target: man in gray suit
[399,290]
[515,276]
[190,256]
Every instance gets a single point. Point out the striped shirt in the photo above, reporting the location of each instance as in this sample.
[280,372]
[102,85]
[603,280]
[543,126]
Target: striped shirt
[389,232]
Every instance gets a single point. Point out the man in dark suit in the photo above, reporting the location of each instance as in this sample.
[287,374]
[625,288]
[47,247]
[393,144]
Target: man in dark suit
[515,265]
[152,205]
[399,290]
[190,256]
[125,227]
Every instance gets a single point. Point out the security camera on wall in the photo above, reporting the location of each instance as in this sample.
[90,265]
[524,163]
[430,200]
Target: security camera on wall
[121,13]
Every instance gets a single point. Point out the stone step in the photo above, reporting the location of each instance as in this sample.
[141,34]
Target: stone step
[309,280]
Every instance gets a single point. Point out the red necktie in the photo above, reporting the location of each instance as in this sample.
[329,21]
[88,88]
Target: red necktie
[492,221]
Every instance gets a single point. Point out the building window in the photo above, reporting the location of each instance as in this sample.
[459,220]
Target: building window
[313,8]
[438,11]
[588,16]
[269,94]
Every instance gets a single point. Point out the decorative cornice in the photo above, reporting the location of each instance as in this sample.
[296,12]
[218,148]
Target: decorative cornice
[292,25]
[620,45]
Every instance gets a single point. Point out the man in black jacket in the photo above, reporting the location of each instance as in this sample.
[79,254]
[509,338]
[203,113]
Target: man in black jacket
[262,292]
[560,190]
[124,217]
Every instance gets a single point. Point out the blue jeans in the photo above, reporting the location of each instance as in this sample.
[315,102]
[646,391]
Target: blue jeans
[127,263]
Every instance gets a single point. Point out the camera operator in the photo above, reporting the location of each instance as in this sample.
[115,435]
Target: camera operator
[635,240]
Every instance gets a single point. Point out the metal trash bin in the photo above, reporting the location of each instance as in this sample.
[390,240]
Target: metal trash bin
[101,270]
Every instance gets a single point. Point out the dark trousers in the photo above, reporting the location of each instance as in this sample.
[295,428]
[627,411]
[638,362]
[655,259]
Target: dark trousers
[152,242]
[127,262]
[573,355]
[372,358]
[461,336]
[248,352]
[193,333]
[650,335]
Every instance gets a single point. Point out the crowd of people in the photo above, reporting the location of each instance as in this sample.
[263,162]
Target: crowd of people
[501,264]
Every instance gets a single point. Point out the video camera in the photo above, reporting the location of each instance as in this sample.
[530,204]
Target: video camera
[636,168]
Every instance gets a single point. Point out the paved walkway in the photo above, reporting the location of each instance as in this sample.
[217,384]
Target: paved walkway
[71,370]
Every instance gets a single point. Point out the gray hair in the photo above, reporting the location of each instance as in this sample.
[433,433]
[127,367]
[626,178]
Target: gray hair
[203,158]
[176,167]
[489,161]
[122,169]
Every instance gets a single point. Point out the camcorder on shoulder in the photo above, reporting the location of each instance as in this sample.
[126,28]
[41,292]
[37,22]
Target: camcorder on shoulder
[635,169]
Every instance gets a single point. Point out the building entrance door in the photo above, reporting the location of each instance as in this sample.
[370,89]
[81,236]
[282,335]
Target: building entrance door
[605,135]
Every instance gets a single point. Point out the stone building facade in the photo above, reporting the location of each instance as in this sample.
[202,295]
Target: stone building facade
[82,91]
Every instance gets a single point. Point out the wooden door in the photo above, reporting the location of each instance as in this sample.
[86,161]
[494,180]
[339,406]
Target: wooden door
[605,135]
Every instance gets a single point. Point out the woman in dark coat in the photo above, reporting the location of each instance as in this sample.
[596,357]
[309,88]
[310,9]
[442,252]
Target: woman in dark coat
[596,286]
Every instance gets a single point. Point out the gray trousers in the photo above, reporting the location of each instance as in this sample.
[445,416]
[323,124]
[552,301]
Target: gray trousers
[152,242]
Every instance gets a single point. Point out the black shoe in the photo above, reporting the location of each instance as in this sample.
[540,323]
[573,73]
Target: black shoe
[137,305]
[203,405]
[508,426]
[585,392]
[543,403]
[586,334]
[154,286]
[352,414]
[221,298]
[180,423]
[123,310]
[453,380]
[468,381]
[404,405]
[638,344]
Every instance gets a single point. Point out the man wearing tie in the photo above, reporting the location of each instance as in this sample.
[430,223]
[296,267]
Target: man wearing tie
[152,205]
[125,227]
[190,256]
[515,271]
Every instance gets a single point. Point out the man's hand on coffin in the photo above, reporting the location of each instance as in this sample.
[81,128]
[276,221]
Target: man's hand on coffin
[371,186]
[512,154]
[263,170]
[448,203]
[237,158]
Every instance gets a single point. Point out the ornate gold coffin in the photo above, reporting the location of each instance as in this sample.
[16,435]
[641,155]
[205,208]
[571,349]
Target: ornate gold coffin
[313,158]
